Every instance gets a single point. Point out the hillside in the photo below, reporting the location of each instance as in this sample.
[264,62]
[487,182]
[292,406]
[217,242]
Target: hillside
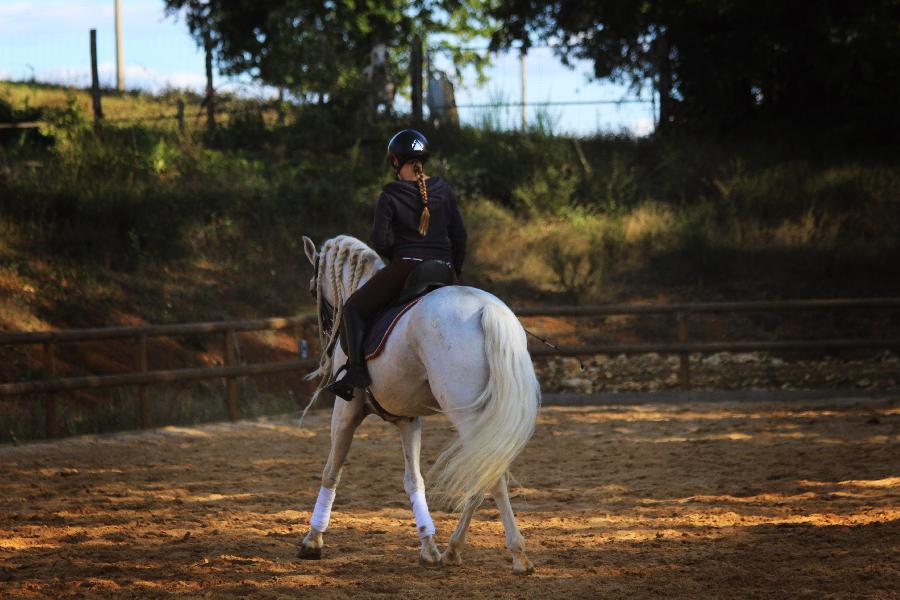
[138,222]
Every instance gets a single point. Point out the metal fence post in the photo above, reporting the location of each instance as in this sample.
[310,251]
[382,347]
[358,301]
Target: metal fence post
[231,402]
[143,403]
[684,358]
[51,412]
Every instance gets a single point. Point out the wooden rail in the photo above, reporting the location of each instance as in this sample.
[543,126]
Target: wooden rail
[682,311]
[169,376]
[23,125]
[144,377]
[111,333]
[704,307]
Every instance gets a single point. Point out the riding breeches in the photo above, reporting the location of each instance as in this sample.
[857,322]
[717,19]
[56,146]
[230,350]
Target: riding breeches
[383,288]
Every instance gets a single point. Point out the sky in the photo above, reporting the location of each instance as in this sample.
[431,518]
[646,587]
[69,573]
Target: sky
[49,40]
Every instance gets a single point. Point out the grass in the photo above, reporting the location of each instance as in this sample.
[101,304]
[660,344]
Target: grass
[680,211]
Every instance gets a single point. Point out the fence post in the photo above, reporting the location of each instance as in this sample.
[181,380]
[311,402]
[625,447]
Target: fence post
[180,115]
[684,359]
[210,90]
[280,112]
[230,385]
[522,86]
[51,413]
[143,403]
[415,72]
[95,80]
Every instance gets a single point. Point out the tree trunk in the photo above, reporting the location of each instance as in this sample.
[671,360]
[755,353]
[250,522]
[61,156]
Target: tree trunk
[210,90]
[664,82]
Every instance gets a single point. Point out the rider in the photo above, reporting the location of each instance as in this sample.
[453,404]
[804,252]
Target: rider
[416,218]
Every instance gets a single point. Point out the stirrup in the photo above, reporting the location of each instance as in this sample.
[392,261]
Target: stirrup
[339,387]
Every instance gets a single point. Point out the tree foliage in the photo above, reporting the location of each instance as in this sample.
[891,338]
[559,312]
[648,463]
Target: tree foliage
[319,49]
[723,63]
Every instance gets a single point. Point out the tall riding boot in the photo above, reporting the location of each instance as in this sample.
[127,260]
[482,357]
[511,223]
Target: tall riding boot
[353,326]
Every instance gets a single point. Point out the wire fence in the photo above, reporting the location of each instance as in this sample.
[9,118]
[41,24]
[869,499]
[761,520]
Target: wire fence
[511,93]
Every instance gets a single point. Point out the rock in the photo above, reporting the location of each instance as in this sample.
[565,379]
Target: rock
[745,357]
[577,384]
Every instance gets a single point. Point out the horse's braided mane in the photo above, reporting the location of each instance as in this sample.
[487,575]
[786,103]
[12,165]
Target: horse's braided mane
[336,254]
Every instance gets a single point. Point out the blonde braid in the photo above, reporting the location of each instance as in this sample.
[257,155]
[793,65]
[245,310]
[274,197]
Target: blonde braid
[423,192]
[359,267]
[337,287]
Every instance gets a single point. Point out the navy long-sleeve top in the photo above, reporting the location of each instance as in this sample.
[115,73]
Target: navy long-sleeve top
[395,232]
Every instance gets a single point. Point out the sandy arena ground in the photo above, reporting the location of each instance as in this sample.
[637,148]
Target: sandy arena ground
[725,499]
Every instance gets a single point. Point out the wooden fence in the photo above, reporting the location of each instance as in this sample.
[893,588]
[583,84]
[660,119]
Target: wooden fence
[682,313]
[143,377]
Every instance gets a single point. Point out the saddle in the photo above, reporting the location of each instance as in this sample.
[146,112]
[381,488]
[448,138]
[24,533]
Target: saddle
[426,277]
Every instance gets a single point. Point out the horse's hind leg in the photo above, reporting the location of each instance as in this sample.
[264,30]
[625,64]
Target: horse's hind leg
[344,420]
[514,540]
[453,554]
[411,439]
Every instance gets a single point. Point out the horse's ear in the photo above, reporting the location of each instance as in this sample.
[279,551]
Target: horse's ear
[310,248]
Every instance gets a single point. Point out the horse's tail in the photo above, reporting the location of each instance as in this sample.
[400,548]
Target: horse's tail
[496,427]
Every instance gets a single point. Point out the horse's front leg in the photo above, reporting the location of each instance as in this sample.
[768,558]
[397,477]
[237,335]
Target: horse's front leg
[414,484]
[344,420]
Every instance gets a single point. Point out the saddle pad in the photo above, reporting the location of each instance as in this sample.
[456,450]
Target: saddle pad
[383,326]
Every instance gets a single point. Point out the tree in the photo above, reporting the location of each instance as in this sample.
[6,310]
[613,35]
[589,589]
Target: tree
[319,49]
[721,64]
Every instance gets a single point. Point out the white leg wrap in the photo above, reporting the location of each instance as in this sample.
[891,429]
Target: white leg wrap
[424,524]
[322,513]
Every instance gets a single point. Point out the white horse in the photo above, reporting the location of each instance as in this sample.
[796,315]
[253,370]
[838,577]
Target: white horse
[459,351]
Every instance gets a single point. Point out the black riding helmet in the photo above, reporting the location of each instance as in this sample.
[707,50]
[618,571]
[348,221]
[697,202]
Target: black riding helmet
[407,145]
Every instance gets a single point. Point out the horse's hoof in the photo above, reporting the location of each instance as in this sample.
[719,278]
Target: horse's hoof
[523,567]
[451,559]
[309,552]
[428,561]
[429,556]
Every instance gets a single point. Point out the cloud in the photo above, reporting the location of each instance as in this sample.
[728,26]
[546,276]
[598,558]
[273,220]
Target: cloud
[144,78]
[185,80]
[136,77]
[642,126]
